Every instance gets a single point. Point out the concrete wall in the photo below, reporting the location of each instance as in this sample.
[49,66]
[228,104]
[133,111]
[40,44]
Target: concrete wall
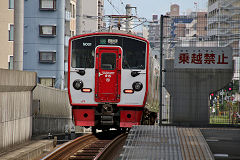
[51,110]
[189,90]
[15,106]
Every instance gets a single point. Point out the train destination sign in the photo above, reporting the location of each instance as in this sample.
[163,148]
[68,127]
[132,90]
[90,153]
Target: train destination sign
[203,57]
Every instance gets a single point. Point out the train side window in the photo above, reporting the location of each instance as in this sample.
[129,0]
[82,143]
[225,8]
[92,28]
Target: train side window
[108,61]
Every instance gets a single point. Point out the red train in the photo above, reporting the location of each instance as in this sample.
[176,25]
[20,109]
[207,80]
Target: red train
[112,81]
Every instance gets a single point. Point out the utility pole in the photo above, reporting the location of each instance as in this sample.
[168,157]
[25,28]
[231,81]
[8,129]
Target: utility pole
[79,16]
[128,20]
[18,35]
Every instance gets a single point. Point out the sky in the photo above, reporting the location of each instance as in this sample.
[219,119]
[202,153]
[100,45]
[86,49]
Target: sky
[146,8]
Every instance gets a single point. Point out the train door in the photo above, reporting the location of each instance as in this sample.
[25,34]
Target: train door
[108,74]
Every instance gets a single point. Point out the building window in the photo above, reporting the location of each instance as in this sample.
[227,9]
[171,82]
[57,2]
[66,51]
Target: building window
[72,33]
[71,6]
[10,4]
[67,16]
[73,11]
[47,57]
[47,30]
[10,62]
[47,4]
[49,82]
[11,32]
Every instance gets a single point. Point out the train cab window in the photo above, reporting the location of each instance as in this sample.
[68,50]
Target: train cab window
[83,51]
[108,61]
[134,54]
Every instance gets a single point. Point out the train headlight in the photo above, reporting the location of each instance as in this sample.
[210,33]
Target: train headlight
[77,84]
[137,86]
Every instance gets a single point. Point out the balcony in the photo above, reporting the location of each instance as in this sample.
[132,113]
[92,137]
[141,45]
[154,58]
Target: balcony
[218,18]
[227,3]
[213,6]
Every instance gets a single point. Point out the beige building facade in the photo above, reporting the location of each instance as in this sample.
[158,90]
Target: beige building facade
[92,15]
[92,19]
[73,17]
[6,32]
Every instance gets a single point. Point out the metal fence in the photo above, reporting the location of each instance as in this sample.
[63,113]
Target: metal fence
[195,31]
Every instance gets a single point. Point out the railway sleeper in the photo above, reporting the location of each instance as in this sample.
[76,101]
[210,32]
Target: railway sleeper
[90,151]
[81,157]
[87,151]
[86,154]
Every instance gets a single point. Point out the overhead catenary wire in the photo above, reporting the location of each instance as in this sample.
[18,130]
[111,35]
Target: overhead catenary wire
[113,6]
[122,4]
[110,20]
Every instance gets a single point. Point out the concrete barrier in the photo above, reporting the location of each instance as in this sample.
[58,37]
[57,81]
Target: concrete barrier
[51,110]
[15,107]
[190,89]
[28,151]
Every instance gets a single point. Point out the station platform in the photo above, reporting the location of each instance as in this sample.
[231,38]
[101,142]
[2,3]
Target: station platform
[165,142]
[28,150]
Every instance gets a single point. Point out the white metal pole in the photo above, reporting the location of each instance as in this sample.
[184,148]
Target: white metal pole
[79,16]
[18,34]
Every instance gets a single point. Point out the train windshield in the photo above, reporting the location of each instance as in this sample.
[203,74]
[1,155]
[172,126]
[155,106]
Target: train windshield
[134,54]
[83,51]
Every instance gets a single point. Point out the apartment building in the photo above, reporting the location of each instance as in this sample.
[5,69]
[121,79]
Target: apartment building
[73,17]
[92,20]
[223,26]
[223,22]
[154,32]
[178,30]
[48,25]
[44,40]
[6,32]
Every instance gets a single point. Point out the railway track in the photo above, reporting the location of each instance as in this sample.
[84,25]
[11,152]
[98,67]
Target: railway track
[89,147]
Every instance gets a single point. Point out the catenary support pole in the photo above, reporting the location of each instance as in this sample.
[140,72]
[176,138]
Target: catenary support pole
[79,16]
[18,34]
[161,68]
[128,20]
[60,47]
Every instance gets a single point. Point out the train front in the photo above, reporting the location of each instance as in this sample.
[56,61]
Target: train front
[108,79]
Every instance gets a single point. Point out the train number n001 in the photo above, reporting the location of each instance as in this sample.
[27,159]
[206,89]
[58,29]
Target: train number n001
[87,44]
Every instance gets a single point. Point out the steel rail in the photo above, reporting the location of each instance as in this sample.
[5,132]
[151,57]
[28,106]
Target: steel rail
[104,154]
[60,152]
